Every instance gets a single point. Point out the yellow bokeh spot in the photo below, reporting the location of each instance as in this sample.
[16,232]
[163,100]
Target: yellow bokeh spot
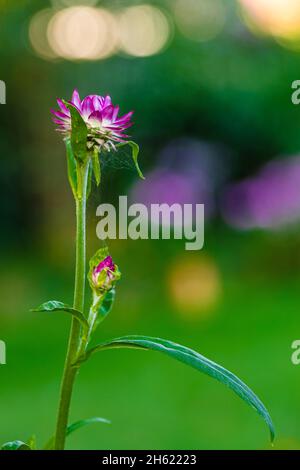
[200,20]
[38,34]
[144,30]
[278,18]
[82,33]
[194,285]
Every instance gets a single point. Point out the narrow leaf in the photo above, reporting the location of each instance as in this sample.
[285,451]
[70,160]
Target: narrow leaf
[15,445]
[135,153]
[79,133]
[72,168]
[193,359]
[74,427]
[56,306]
[85,422]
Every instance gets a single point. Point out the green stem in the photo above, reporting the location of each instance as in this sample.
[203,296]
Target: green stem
[70,372]
[93,314]
[92,317]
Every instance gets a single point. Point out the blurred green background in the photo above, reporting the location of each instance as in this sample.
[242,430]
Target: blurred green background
[210,84]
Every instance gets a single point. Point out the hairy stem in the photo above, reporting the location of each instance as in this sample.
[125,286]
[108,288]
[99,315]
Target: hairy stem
[70,372]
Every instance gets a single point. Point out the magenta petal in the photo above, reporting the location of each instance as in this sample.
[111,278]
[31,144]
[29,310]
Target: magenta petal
[106,263]
[120,138]
[107,113]
[124,118]
[87,106]
[76,99]
[97,104]
[75,106]
[116,112]
[59,122]
[117,127]
[60,115]
[107,101]
[63,107]
[126,126]
[96,116]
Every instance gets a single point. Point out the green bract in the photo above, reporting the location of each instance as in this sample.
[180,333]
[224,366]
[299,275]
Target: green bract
[79,134]
[135,153]
[72,167]
[96,165]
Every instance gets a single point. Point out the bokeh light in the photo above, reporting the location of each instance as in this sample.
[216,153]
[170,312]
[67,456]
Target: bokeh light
[190,171]
[163,186]
[144,30]
[69,3]
[194,285]
[279,18]
[38,34]
[200,20]
[82,33]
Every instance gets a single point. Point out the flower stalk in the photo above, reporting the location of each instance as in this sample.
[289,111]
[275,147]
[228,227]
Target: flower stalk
[79,291]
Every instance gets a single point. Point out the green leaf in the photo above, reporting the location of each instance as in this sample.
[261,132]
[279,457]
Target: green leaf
[135,153]
[15,445]
[56,306]
[32,442]
[74,427]
[193,359]
[103,307]
[107,303]
[72,167]
[85,422]
[96,166]
[79,134]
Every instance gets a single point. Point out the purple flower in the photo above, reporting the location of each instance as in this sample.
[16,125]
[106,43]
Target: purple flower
[104,124]
[105,274]
[269,200]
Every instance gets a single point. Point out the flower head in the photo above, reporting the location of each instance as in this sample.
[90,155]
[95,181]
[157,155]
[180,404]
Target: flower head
[104,273]
[105,126]
[107,267]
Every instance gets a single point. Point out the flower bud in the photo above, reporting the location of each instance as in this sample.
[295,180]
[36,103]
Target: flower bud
[103,272]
